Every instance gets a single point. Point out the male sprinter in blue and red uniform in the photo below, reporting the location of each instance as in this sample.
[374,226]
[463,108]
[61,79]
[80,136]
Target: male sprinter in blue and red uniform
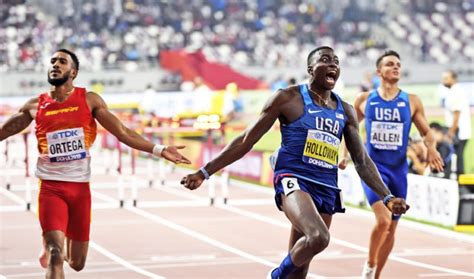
[313,120]
[389,112]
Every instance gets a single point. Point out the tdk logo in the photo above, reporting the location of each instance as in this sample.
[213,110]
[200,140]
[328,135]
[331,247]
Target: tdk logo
[65,134]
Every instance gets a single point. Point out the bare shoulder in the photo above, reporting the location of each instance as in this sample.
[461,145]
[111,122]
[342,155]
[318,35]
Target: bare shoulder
[32,101]
[31,104]
[288,93]
[349,111]
[361,97]
[282,97]
[360,101]
[348,108]
[414,98]
[415,101]
[90,95]
[94,100]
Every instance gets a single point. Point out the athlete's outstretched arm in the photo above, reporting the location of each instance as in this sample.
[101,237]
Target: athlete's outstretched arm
[20,120]
[419,119]
[242,144]
[124,134]
[363,163]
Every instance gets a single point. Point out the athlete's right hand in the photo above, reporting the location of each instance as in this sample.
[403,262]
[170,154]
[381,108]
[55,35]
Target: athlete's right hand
[172,154]
[398,206]
[343,163]
[193,181]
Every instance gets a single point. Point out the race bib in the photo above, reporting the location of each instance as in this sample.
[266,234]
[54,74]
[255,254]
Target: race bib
[321,149]
[386,135]
[289,184]
[66,145]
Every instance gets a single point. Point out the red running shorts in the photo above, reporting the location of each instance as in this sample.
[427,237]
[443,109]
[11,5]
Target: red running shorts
[65,206]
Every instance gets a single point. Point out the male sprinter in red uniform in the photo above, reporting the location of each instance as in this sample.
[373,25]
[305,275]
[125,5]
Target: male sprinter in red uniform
[65,128]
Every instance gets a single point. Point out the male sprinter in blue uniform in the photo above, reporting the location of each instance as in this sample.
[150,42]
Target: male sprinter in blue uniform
[313,120]
[389,112]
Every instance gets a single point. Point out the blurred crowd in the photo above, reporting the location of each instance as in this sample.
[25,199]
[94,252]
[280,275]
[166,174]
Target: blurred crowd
[130,34]
[439,31]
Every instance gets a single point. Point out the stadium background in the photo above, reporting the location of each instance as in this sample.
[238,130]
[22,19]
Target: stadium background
[161,64]
[128,46]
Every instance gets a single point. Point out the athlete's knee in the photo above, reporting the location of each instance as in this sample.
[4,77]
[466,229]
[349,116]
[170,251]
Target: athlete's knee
[56,254]
[318,240]
[77,265]
[383,223]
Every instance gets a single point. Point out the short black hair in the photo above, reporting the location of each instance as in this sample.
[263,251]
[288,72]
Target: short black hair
[73,57]
[437,127]
[388,52]
[311,53]
[453,74]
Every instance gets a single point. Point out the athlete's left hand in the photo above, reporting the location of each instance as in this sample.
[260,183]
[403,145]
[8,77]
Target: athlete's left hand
[171,154]
[398,206]
[434,160]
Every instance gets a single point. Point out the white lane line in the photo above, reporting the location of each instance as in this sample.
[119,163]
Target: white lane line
[203,238]
[14,197]
[433,230]
[346,243]
[175,204]
[194,234]
[341,242]
[198,203]
[436,275]
[12,208]
[103,197]
[116,258]
[432,267]
[123,262]
[197,235]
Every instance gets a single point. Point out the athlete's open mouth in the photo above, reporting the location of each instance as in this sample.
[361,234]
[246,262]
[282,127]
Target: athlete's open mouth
[331,77]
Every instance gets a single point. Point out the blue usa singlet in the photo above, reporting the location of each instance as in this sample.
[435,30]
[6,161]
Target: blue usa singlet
[388,125]
[310,144]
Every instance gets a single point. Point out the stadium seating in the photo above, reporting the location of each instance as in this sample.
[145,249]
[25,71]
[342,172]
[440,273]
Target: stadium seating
[130,34]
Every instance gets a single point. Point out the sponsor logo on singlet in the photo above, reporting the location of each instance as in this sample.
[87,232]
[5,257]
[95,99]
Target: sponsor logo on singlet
[63,110]
[66,145]
[321,149]
[387,131]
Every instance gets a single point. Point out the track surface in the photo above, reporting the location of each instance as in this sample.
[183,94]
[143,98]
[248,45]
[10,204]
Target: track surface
[174,233]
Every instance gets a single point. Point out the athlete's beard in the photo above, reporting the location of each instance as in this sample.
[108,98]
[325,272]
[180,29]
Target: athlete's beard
[59,81]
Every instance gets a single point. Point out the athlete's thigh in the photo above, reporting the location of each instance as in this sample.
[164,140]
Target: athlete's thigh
[79,213]
[398,183]
[53,210]
[373,197]
[301,211]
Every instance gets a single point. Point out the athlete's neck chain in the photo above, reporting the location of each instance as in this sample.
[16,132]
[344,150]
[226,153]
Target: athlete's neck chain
[325,102]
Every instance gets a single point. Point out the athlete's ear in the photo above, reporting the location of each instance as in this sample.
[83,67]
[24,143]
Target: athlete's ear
[74,73]
[310,70]
[378,72]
